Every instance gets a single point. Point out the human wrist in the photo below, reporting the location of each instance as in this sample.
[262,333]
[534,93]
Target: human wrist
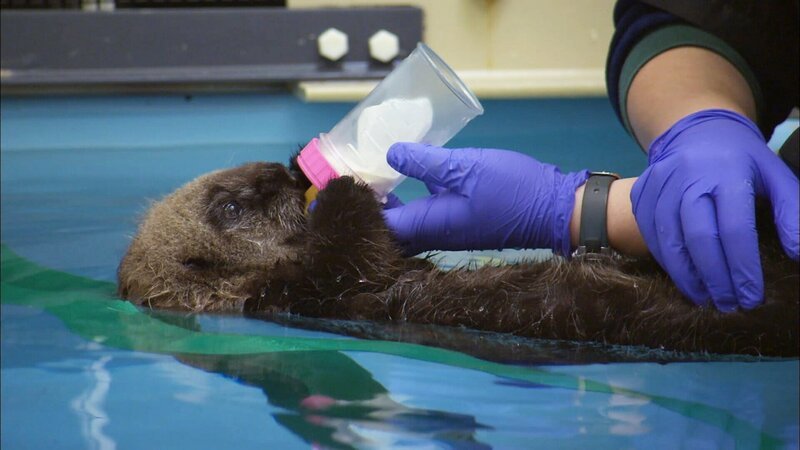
[622,231]
[575,220]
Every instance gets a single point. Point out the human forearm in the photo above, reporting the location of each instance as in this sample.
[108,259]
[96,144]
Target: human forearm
[672,85]
[623,233]
[679,82]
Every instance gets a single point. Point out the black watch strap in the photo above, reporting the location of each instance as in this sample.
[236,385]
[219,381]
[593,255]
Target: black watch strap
[593,237]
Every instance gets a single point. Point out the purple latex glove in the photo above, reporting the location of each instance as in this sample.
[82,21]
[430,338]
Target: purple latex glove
[482,199]
[694,206]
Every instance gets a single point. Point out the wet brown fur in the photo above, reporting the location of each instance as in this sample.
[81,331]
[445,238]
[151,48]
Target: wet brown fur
[194,252]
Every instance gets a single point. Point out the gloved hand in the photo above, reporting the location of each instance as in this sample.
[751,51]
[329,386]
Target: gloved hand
[694,206]
[482,199]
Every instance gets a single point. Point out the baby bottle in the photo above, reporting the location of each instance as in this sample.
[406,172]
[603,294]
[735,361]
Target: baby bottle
[421,100]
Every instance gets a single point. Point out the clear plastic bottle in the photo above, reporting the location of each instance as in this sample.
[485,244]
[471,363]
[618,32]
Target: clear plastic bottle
[421,100]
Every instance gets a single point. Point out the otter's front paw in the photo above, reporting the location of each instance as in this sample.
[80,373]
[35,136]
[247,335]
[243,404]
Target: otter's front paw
[343,197]
[348,205]
[345,190]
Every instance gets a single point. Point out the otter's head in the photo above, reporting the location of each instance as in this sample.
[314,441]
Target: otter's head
[204,246]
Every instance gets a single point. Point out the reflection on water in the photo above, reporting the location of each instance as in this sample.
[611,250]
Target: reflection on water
[330,401]
[90,405]
[627,415]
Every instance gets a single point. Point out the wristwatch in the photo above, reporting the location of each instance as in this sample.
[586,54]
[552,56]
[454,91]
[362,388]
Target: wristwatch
[593,237]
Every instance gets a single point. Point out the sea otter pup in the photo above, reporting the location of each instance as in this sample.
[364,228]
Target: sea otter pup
[239,240]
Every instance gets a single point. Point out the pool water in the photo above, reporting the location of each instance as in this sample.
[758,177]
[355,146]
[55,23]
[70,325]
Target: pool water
[82,369]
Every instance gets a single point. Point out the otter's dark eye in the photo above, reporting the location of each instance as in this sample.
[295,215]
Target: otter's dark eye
[231,210]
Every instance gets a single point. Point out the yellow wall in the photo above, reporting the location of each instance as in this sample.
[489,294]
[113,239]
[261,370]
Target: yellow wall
[504,48]
[534,34]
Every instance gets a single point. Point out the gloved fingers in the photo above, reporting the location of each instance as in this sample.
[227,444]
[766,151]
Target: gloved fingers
[402,221]
[737,231]
[436,167]
[392,201]
[435,188]
[782,187]
[674,256]
[430,223]
[656,206]
[699,222]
